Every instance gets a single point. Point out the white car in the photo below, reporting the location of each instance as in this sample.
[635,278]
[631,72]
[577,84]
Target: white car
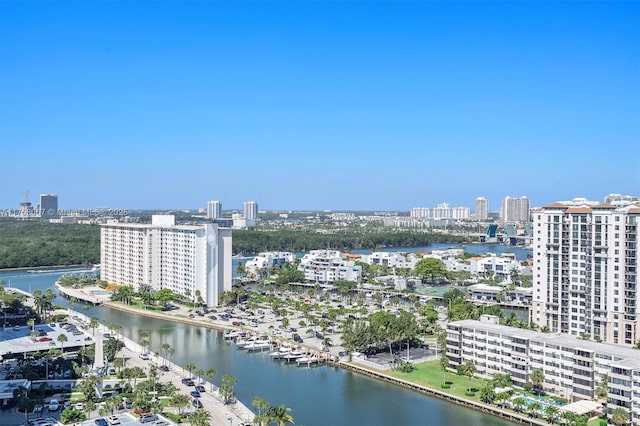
[54,405]
[113,420]
[78,406]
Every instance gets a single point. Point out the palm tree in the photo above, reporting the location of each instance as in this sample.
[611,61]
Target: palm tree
[88,387]
[200,418]
[518,404]
[502,397]
[552,413]
[226,389]
[210,374]
[280,415]
[469,369]
[190,367]
[444,364]
[620,416]
[62,338]
[144,340]
[171,352]
[93,323]
[534,408]
[261,405]
[165,348]
[199,372]
[537,378]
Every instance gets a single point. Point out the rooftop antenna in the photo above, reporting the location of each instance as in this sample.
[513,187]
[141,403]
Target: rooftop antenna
[26,196]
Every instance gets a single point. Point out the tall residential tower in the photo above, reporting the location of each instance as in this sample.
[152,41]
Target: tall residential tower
[585,272]
[187,259]
[214,209]
[250,210]
[482,208]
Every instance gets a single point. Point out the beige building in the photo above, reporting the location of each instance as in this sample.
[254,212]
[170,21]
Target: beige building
[585,270]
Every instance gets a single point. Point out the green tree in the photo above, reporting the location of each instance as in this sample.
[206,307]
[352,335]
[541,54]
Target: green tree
[444,364]
[279,415]
[180,401]
[518,404]
[226,389]
[261,405]
[537,378]
[620,416]
[430,268]
[199,418]
[469,369]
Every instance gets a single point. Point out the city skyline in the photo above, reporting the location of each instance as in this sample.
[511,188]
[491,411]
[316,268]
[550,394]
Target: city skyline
[316,106]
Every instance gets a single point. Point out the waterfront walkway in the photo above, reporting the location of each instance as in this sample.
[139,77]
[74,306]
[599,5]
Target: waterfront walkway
[221,414]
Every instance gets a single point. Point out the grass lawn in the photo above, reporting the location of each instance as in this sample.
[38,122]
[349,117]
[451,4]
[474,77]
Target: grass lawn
[429,374]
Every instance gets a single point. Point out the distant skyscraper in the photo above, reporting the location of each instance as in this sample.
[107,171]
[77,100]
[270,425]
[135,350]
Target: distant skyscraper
[482,208]
[49,205]
[250,210]
[214,209]
[515,209]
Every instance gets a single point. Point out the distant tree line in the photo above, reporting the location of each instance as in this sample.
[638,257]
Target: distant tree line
[250,242]
[40,243]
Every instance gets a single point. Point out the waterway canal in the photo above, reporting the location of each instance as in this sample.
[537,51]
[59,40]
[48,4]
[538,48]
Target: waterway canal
[317,396]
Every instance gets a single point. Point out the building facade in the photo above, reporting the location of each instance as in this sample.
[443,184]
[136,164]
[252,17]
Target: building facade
[327,266]
[572,368]
[189,260]
[515,209]
[482,208]
[49,205]
[441,211]
[268,260]
[250,210]
[214,209]
[585,271]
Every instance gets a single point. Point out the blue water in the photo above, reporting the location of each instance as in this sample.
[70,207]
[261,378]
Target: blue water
[318,396]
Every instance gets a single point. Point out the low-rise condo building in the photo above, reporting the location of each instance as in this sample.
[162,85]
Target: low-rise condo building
[327,266]
[190,260]
[266,260]
[572,368]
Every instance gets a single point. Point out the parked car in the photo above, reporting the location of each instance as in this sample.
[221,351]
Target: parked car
[196,403]
[37,408]
[78,406]
[164,368]
[188,382]
[195,394]
[144,356]
[200,388]
[54,405]
[100,422]
[113,420]
[148,418]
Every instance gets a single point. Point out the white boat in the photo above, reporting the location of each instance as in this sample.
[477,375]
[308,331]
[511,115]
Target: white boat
[232,334]
[258,346]
[294,355]
[308,360]
[243,343]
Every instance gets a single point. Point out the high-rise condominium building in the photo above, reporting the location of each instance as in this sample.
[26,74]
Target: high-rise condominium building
[49,205]
[585,272]
[250,209]
[515,209]
[214,209]
[189,260]
[441,211]
[482,208]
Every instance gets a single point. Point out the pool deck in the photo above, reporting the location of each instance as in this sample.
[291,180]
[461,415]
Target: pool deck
[85,294]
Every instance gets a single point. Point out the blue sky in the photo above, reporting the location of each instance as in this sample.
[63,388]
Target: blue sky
[317,105]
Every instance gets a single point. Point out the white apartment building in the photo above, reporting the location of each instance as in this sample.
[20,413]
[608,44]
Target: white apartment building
[515,209]
[391,259]
[585,271]
[266,260]
[250,210]
[482,209]
[572,368]
[327,266]
[441,211]
[183,258]
[214,209]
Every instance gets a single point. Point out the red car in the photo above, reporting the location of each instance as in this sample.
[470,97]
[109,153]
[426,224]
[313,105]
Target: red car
[45,339]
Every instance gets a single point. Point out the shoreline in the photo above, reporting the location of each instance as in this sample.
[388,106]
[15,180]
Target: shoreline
[369,372]
[39,268]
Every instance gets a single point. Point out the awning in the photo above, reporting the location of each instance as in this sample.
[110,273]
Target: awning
[582,407]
